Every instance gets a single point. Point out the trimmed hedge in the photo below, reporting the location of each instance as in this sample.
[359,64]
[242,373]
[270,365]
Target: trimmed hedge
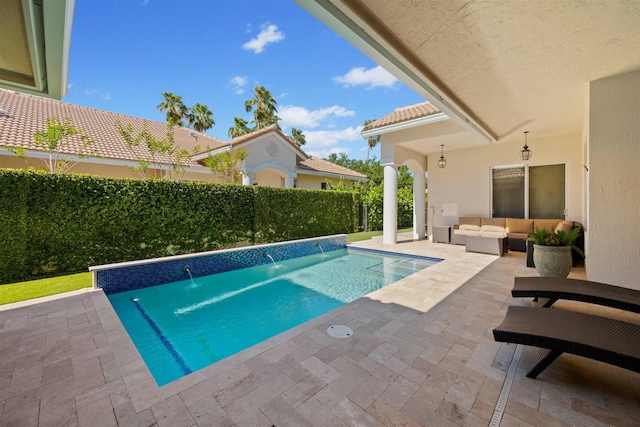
[53,224]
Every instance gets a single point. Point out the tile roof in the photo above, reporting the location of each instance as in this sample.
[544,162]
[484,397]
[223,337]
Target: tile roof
[321,165]
[255,134]
[27,114]
[404,114]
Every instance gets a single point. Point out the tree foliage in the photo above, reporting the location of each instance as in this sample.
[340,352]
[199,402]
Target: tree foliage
[297,137]
[55,224]
[240,127]
[158,149]
[224,165]
[263,105]
[200,117]
[54,139]
[372,193]
[175,108]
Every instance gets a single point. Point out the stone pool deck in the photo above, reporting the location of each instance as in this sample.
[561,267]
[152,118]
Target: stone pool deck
[422,353]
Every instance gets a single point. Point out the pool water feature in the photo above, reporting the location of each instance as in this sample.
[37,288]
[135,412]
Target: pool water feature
[184,326]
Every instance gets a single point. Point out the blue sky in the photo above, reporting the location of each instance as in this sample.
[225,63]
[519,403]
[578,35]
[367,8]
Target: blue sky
[124,53]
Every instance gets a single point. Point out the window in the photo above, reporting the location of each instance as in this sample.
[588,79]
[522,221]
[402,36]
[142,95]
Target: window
[323,185]
[529,191]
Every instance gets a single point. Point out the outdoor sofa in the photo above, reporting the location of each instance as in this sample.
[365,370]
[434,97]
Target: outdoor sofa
[515,229]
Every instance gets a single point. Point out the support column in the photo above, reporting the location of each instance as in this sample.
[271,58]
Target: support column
[288,182]
[418,206]
[247,179]
[390,207]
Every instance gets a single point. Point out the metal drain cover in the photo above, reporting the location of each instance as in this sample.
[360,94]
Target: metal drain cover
[339,331]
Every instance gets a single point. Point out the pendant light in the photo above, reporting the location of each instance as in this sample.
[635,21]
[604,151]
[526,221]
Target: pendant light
[525,153]
[442,162]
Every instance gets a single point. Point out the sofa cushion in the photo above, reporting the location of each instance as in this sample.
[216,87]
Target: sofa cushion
[565,226]
[469,227]
[549,224]
[498,222]
[517,225]
[467,232]
[492,233]
[470,220]
[494,228]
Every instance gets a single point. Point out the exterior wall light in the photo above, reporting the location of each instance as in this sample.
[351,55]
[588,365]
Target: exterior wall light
[442,162]
[525,153]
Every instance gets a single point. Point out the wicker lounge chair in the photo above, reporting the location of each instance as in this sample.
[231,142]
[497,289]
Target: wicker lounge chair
[560,331]
[556,288]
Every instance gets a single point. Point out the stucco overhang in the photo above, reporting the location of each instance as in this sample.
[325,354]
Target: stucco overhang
[34,52]
[495,67]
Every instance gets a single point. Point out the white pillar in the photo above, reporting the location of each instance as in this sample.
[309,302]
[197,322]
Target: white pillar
[247,179]
[288,182]
[418,206]
[390,207]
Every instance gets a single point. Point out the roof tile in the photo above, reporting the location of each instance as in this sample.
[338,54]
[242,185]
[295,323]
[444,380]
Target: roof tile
[404,114]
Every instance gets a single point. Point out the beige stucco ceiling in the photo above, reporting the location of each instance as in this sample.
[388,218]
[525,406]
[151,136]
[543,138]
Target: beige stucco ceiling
[495,66]
[34,45]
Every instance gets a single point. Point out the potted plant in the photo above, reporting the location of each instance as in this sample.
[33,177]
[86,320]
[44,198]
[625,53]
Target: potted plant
[552,251]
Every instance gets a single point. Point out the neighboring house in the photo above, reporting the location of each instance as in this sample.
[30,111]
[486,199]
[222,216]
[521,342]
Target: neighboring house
[494,70]
[272,160]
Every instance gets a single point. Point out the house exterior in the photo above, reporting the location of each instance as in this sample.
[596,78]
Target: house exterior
[272,159]
[494,70]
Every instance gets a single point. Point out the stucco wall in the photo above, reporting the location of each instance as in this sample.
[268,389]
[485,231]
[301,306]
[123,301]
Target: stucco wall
[268,178]
[283,157]
[466,180]
[614,181]
[99,169]
[315,182]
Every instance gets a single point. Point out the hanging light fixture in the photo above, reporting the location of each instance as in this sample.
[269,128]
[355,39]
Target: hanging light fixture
[525,153]
[442,162]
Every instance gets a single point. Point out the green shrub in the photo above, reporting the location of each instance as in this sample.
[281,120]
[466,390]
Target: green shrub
[53,224]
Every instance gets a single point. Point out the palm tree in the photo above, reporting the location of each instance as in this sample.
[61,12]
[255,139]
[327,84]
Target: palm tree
[175,108]
[265,108]
[297,137]
[372,141]
[239,128]
[200,117]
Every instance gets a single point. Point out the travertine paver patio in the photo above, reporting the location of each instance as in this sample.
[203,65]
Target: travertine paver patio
[422,353]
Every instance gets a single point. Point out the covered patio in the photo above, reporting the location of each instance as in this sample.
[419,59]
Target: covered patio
[422,353]
[493,70]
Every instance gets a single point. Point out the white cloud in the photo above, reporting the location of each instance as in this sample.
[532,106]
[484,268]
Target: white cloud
[238,83]
[326,139]
[300,117]
[372,77]
[323,154]
[269,34]
[95,92]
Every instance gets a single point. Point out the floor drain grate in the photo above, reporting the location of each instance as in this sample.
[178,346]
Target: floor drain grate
[339,331]
[506,389]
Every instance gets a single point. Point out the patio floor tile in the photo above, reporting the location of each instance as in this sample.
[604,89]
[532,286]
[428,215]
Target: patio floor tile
[422,353]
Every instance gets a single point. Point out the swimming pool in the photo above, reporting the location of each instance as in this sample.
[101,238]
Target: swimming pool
[183,326]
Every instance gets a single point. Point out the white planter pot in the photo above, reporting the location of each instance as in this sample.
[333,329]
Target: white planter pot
[552,261]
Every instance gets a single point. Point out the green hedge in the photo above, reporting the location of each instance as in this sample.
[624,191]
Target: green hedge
[53,224]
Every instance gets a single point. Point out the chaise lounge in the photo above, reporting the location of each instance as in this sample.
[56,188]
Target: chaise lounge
[556,288]
[559,331]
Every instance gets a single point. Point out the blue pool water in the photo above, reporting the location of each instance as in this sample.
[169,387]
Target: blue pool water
[184,326]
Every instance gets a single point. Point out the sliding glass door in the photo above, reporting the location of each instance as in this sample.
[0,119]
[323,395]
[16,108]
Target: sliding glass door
[508,192]
[537,191]
[546,191]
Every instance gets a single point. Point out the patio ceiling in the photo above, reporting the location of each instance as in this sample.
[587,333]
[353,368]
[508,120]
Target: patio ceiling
[34,49]
[496,67]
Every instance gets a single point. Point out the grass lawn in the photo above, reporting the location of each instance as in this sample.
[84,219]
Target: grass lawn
[56,285]
[43,287]
[366,235]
